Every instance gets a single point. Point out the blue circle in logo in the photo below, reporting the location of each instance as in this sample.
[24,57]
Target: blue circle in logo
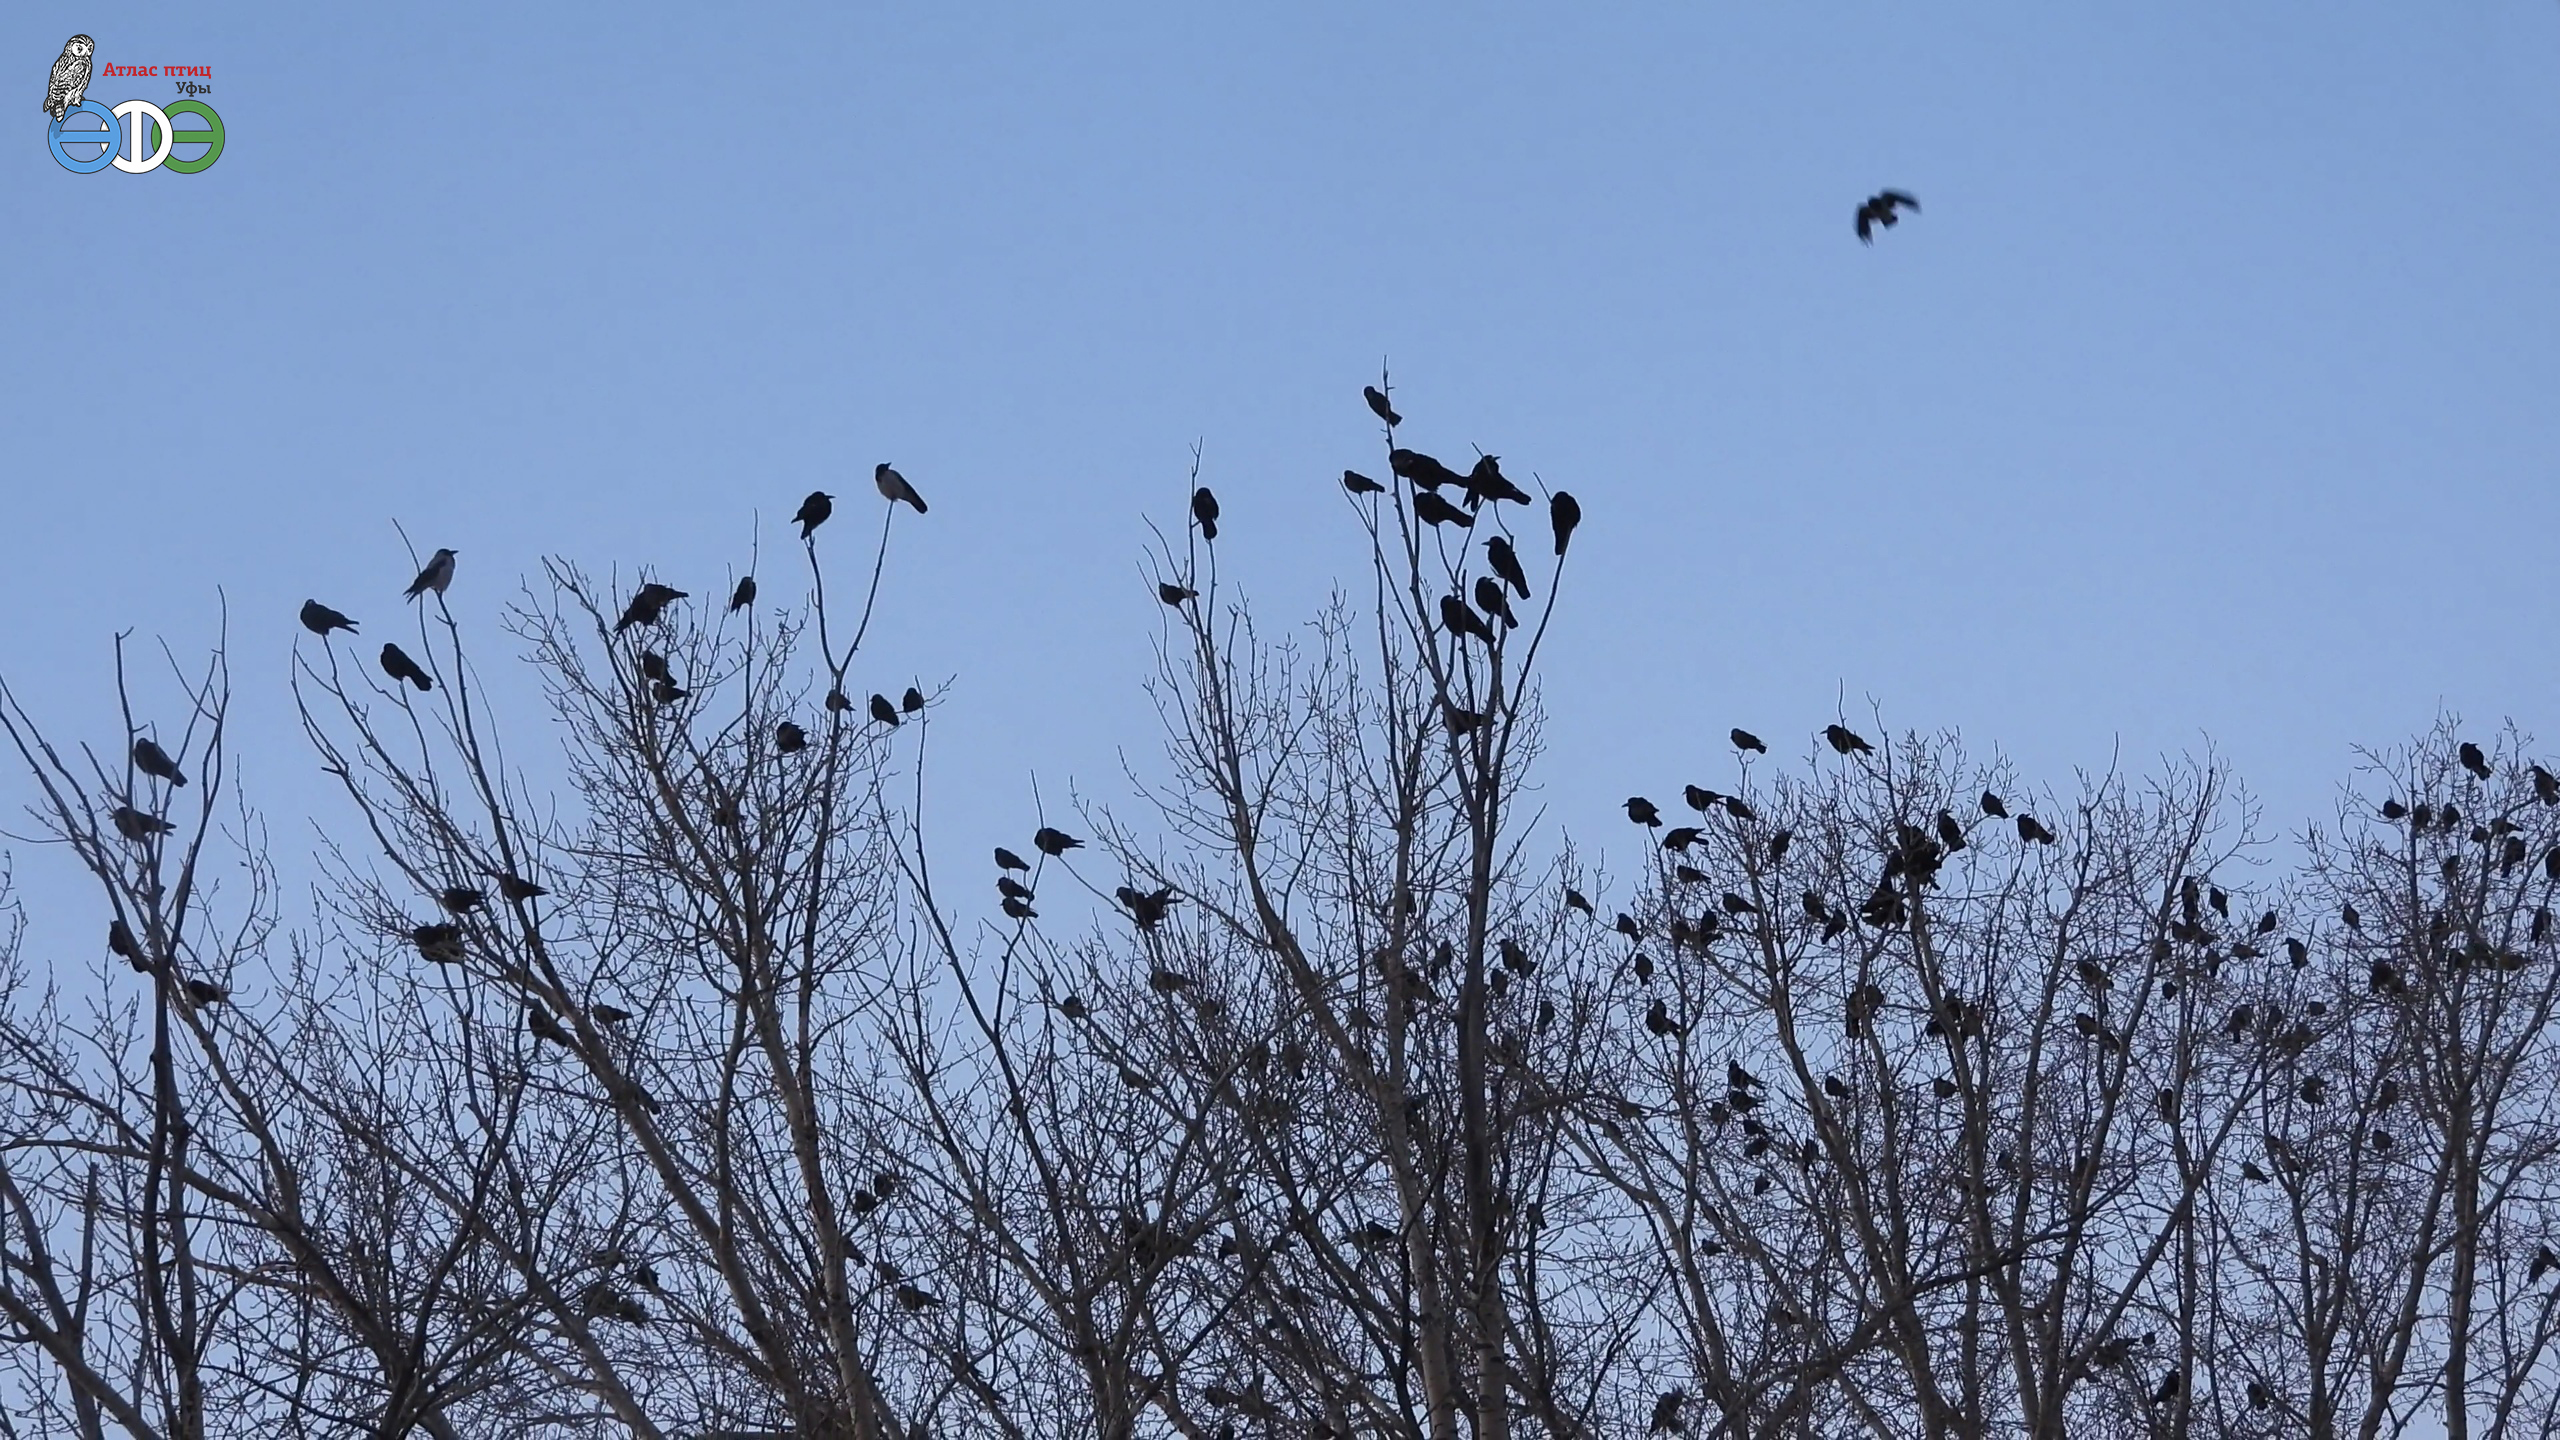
[104,137]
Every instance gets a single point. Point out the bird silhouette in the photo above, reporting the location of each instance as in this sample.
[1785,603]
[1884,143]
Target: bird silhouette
[1204,508]
[1017,908]
[120,942]
[814,511]
[2473,760]
[153,761]
[1666,1413]
[516,887]
[648,606]
[1054,842]
[2544,1262]
[436,576]
[1491,599]
[1950,834]
[789,738]
[1172,594]
[319,619]
[1147,907]
[1994,806]
[1007,860]
[666,691]
[1486,482]
[893,487]
[883,711]
[1642,811]
[439,943]
[2546,786]
[1879,208]
[1012,889]
[745,594]
[1658,1019]
[1359,484]
[1506,563]
[1576,900]
[912,702]
[1461,620]
[838,702]
[1378,405]
[1422,470]
[546,1029]
[205,992]
[2029,829]
[397,664]
[1846,741]
[1563,513]
[462,899]
[1430,509]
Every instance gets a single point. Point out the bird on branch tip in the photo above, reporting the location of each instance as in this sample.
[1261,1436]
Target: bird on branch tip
[894,487]
[648,606]
[813,512]
[745,594]
[1204,509]
[1378,405]
[153,761]
[397,664]
[436,576]
[319,619]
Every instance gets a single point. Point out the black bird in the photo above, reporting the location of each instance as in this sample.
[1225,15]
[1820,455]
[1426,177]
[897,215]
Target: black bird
[883,711]
[745,594]
[2546,786]
[2220,900]
[1147,907]
[1642,964]
[462,899]
[912,702]
[2473,760]
[1007,860]
[1359,484]
[1204,508]
[789,738]
[1430,509]
[544,1028]
[1628,927]
[1423,470]
[120,942]
[205,992]
[1173,594]
[649,606]
[912,1298]
[1745,740]
[2393,810]
[2347,913]
[1658,1020]
[1378,405]
[1994,806]
[2268,922]
[1506,563]
[609,1015]
[1455,614]
[667,692]
[516,887]
[893,487]
[397,664]
[1487,482]
[2544,1262]
[2260,1397]
[1950,834]
[2170,1385]
[319,619]
[1017,909]
[1846,741]
[653,666]
[1490,598]
[437,575]
[1666,1413]
[814,511]
[153,761]
[1053,842]
[1012,889]
[1700,798]
[1563,513]
[1576,900]
[1641,811]
[838,702]
[1878,209]
[2031,830]
[439,943]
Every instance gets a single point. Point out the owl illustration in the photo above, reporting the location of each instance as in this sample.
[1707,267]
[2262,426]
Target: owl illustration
[70,76]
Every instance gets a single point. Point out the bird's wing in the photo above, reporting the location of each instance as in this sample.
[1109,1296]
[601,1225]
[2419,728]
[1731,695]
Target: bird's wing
[1866,224]
[1901,199]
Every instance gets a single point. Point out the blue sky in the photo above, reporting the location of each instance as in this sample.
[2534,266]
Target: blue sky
[2213,399]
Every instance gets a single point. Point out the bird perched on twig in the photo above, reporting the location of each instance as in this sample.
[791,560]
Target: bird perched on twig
[745,594]
[397,664]
[133,825]
[1506,563]
[1430,509]
[894,487]
[883,711]
[649,606]
[436,576]
[789,738]
[813,512]
[153,761]
[1378,405]
[912,702]
[319,619]
[1423,470]
[1054,842]
[1745,740]
[121,943]
[1461,620]
[1486,482]
[1204,508]
[1563,513]
[1879,208]
[1846,741]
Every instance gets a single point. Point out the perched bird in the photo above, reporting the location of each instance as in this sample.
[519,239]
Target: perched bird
[1204,508]
[1493,600]
[2473,760]
[1422,470]
[1172,594]
[122,944]
[1846,741]
[2260,1397]
[439,943]
[1461,620]
[666,691]
[789,738]
[1563,513]
[1506,563]
[1658,1019]
[1745,740]
[2544,1262]
[838,702]
[1012,889]
[912,702]
[397,664]
[319,619]
[436,576]
[648,607]
[1642,811]
[1430,509]
[745,594]
[515,887]
[1378,405]
[1879,208]
[2170,1385]
[1053,842]
[1994,806]
[1147,907]
[653,666]
[894,487]
[153,761]
[71,74]
[1017,908]
[133,825]
[1486,482]
[1007,860]
[1950,834]
[911,1297]
[2546,786]
[883,711]
[205,992]
[462,899]
[1576,900]
[1666,1413]
[1359,484]
[814,511]
[544,1028]
[2393,810]
[2029,829]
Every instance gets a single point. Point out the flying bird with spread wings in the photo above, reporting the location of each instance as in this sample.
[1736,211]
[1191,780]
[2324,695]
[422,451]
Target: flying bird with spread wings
[71,76]
[1879,210]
